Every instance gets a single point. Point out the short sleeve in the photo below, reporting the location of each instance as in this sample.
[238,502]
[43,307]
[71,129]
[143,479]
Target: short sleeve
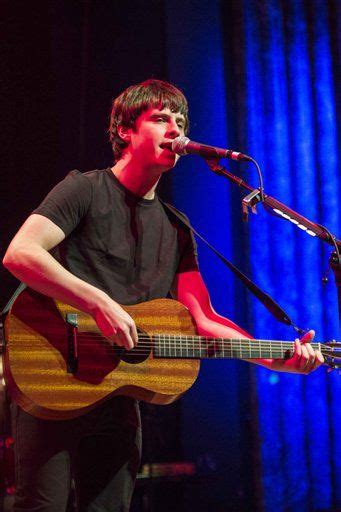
[68,202]
[187,245]
[188,251]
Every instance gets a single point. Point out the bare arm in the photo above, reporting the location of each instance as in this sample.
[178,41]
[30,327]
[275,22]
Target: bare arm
[28,259]
[189,288]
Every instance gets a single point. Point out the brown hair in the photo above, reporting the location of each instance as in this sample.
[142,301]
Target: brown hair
[129,105]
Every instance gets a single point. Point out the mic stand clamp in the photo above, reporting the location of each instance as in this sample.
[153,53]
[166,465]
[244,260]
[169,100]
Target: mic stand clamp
[250,201]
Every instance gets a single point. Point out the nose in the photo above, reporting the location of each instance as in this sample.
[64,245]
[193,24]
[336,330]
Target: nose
[173,129]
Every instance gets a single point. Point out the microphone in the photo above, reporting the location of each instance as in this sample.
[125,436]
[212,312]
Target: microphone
[184,146]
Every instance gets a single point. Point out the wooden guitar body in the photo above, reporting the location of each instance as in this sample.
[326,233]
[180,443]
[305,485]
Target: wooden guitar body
[36,357]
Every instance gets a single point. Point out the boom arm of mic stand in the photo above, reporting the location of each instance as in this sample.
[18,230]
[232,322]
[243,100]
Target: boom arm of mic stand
[281,210]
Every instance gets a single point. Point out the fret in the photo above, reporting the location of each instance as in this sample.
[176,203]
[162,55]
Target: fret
[155,346]
[218,347]
[159,345]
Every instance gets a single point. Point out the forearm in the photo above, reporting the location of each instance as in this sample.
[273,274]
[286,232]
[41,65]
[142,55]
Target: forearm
[220,327]
[38,269]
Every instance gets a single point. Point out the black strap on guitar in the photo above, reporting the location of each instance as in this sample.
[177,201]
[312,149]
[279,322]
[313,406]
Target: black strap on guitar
[263,297]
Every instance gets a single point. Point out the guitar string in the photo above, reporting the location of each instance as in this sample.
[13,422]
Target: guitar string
[274,348]
[198,338]
[192,339]
[181,342]
[197,353]
[164,343]
[126,355]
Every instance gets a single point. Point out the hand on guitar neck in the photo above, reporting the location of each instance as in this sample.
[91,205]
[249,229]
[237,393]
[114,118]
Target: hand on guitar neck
[305,358]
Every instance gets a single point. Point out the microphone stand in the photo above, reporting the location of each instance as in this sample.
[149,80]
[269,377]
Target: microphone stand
[279,209]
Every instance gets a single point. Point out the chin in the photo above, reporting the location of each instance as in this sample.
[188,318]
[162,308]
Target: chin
[167,163]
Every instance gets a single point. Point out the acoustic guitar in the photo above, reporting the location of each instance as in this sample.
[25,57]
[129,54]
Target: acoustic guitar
[57,364]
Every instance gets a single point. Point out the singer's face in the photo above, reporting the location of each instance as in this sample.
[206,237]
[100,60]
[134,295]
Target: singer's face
[152,129]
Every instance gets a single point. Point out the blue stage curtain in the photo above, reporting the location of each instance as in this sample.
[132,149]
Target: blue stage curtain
[261,77]
[291,130]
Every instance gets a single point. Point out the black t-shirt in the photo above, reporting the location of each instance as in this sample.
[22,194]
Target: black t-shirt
[125,245]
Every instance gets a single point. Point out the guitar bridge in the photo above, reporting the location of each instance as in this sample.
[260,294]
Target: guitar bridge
[72,342]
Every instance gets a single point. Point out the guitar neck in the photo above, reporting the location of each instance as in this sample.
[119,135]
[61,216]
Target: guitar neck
[201,347]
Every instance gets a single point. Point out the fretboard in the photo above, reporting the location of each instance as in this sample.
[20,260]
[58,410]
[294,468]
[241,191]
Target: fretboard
[201,347]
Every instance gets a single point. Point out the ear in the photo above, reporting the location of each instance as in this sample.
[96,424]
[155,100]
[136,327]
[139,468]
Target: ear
[124,133]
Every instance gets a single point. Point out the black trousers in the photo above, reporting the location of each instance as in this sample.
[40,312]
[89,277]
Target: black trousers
[100,452]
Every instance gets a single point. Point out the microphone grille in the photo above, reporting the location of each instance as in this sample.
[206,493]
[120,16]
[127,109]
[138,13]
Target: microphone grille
[179,145]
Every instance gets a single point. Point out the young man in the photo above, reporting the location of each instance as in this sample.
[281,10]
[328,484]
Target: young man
[98,240]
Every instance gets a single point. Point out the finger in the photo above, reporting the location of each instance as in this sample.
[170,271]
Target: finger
[311,351]
[319,359]
[295,360]
[311,365]
[305,358]
[134,334]
[128,342]
[115,339]
[298,349]
[308,336]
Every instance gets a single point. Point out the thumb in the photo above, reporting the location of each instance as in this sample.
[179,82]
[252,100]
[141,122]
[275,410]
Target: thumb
[308,336]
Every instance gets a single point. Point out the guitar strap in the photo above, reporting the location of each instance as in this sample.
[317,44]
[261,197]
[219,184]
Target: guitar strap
[263,297]
[17,292]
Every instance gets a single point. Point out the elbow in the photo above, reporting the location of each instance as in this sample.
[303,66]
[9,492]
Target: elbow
[8,260]
[11,260]
[15,259]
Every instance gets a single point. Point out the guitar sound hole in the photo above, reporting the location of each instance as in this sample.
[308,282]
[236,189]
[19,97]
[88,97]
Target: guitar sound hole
[139,353]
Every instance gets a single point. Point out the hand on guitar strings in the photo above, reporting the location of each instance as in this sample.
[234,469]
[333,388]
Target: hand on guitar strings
[116,324]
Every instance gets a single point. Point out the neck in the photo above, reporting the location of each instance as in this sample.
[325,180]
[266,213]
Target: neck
[140,181]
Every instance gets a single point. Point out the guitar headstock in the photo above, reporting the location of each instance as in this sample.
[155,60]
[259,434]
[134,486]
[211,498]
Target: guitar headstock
[331,352]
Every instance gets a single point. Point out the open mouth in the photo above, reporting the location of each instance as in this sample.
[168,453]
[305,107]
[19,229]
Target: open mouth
[166,145]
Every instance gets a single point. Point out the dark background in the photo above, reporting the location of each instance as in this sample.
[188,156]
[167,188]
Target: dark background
[259,441]
[63,64]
